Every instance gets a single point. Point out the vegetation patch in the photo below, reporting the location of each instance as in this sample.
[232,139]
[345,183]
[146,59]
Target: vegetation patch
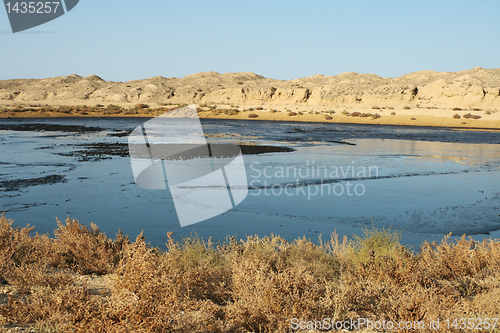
[238,285]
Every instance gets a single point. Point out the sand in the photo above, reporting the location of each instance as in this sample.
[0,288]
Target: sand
[422,117]
[424,98]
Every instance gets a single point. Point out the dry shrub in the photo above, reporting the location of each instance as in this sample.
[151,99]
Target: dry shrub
[65,308]
[85,250]
[274,280]
[464,258]
[291,113]
[231,112]
[355,114]
[144,291]
[373,241]
[472,116]
[252,115]
[18,248]
[456,116]
[257,284]
[207,273]
[160,292]
[457,109]
[327,117]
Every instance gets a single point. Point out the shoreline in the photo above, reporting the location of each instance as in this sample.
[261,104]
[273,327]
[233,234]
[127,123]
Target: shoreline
[415,117]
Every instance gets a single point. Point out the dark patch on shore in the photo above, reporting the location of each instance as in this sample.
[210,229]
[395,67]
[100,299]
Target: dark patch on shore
[256,150]
[120,134]
[102,150]
[14,185]
[49,128]
[342,142]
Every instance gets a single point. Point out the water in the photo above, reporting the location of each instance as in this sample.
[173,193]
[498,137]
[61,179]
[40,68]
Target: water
[426,182]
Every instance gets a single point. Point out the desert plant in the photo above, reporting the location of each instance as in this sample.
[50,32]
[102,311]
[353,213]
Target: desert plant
[456,116]
[252,115]
[291,113]
[328,117]
[239,285]
[381,242]
[355,114]
[406,108]
[85,250]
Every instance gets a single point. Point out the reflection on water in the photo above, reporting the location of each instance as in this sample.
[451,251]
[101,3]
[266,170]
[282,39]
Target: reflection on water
[449,183]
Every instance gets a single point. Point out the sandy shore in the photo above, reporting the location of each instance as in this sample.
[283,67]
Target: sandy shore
[396,116]
[412,117]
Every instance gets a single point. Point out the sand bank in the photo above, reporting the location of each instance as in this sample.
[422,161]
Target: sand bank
[444,117]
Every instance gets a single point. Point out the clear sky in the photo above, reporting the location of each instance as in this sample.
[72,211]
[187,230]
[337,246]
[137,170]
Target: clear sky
[127,40]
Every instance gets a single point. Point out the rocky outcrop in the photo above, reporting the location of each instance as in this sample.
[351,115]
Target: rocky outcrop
[477,87]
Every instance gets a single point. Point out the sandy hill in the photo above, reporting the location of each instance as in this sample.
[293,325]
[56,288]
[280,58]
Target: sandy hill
[477,87]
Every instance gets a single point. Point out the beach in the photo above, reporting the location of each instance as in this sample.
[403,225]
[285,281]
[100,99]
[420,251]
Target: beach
[341,115]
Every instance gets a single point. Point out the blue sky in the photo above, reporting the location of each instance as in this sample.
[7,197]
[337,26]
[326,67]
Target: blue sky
[127,40]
